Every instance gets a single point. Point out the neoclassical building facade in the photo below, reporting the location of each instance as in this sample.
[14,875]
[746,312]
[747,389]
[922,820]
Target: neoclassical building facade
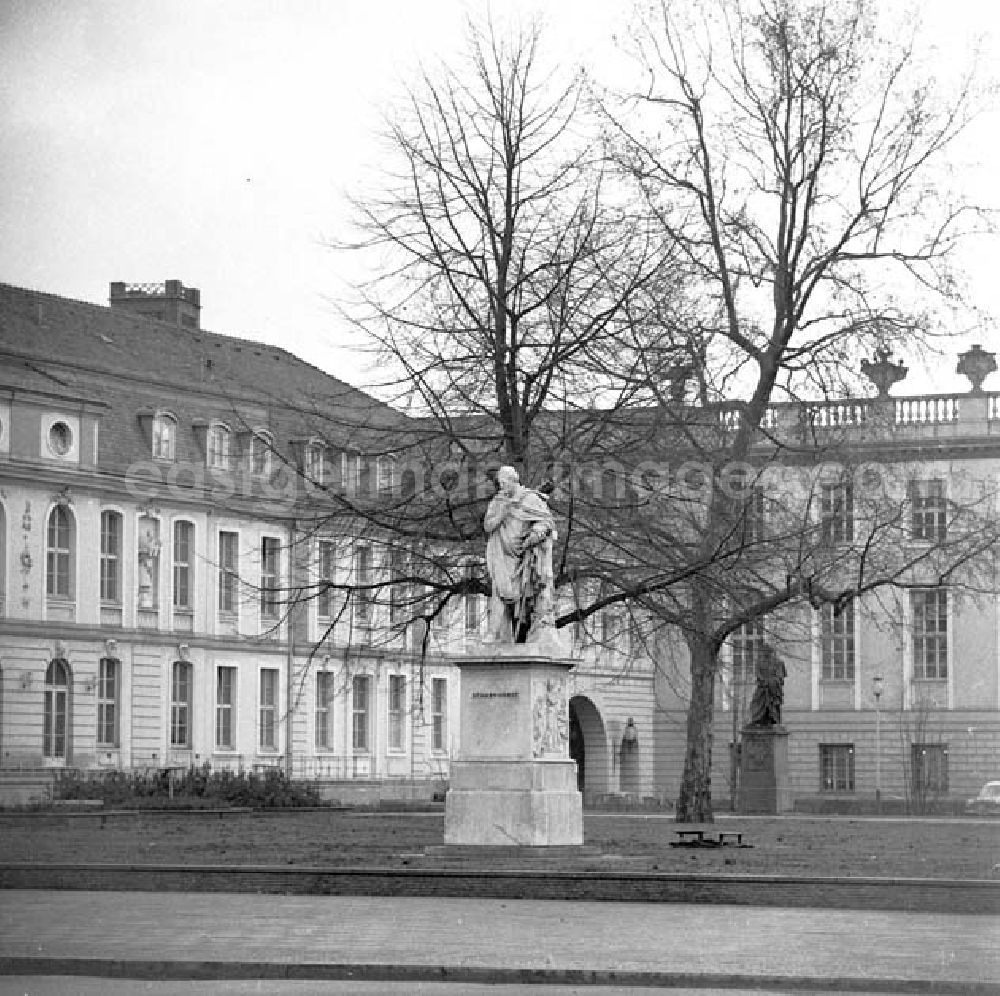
[150,549]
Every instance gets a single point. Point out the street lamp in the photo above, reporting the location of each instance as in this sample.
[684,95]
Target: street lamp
[877,689]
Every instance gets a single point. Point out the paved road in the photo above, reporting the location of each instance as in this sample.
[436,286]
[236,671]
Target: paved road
[75,986]
[179,935]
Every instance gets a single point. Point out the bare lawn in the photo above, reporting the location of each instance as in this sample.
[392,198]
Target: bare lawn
[955,849]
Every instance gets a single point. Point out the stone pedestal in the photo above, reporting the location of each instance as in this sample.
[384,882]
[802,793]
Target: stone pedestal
[764,770]
[513,782]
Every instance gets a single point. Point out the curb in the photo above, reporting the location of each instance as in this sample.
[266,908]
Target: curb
[975,896]
[197,970]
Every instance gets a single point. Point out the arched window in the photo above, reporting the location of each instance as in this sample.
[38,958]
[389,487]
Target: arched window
[111,557]
[164,436]
[219,446]
[56,710]
[59,554]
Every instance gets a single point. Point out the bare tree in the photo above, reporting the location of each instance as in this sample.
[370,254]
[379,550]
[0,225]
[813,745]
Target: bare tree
[787,151]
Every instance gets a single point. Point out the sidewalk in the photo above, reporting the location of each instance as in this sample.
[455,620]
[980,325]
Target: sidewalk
[227,936]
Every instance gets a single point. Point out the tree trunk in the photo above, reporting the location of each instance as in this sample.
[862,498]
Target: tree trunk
[694,803]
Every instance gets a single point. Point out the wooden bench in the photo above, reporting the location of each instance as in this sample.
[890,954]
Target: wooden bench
[700,837]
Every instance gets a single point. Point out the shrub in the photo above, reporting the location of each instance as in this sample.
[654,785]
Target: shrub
[196,788]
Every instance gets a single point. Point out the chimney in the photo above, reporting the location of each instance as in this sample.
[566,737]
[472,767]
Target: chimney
[169,302]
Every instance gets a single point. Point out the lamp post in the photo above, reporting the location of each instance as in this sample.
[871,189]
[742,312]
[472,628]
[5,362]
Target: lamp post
[877,689]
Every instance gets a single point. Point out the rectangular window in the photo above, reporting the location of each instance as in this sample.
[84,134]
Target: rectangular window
[386,476]
[747,644]
[111,556]
[350,473]
[930,633]
[750,499]
[219,447]
[837,512]
[397,711]
[225,707]
[270,567]
[324,710]
[439,714]
[260,455]
[836,763]
[107,702]
[183,550]
[928,511]
[180,704]
[315,463]
[837,637]
[399,591]
[228,571]
[930,769]
[268,707]
[326,561]
[360,700]
[363,593]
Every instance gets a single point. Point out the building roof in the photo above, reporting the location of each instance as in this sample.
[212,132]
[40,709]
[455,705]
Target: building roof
[56,346]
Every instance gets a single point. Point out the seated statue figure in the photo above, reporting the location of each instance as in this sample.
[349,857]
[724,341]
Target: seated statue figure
[521,531]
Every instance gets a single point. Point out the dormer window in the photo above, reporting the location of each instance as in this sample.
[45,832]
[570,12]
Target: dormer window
[219,446]
[315,463]
[164,436]
[260,453]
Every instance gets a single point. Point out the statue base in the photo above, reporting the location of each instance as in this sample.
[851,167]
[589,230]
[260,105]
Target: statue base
[764,770]
[514,782]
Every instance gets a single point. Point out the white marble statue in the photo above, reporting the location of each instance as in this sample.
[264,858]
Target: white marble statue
[521,531]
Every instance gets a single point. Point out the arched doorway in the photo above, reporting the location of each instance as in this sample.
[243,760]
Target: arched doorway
[588,746]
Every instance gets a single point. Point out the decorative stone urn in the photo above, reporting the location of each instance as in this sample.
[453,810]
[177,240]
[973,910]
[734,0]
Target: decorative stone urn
[882,372]
[976,364]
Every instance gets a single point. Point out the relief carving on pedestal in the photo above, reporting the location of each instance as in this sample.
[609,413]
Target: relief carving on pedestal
[549,718]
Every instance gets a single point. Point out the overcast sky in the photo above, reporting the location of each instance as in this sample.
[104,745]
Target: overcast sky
[212,141]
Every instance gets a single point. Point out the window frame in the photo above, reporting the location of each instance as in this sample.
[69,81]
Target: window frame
[268,697]
[219,447]
[361,713]
[181,704]
[928,510]
[228,572]
[60,561]
[325,713]
[837,768]
[439,715]
[56,710]
[108,705]
[270,577]
[929,779]
[929,639]
[837,512]
[225,708]
[261,445]
[182,567]
[363,597]
[838,639]
[163,436]
[746,644]
[111,559]
[396,713]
